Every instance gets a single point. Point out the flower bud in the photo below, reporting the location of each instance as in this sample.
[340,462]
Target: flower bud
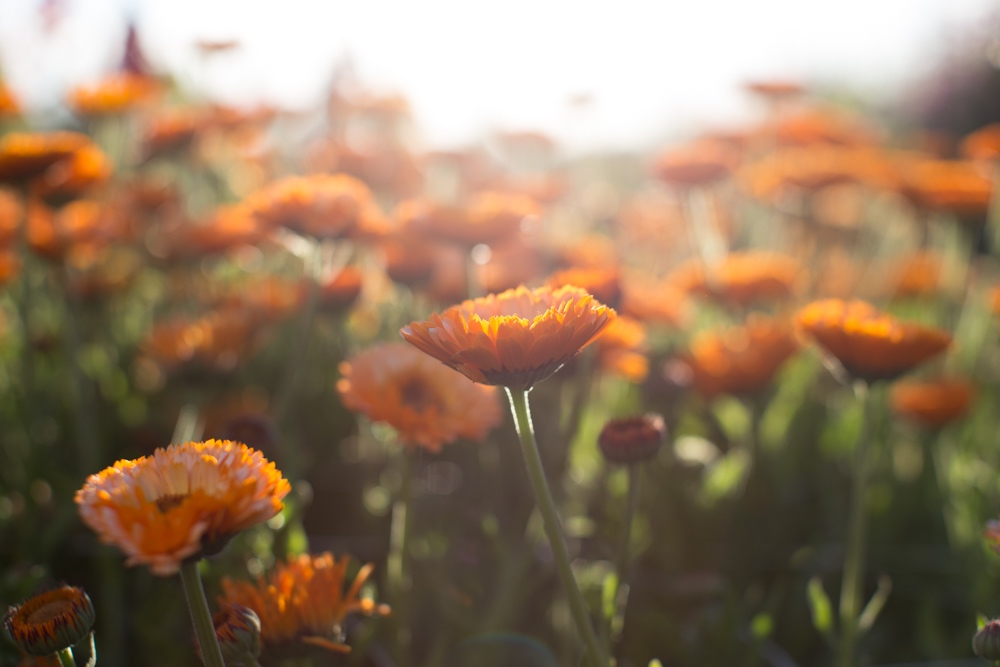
[238,630]
[632,440]
[50,621]
[986,643]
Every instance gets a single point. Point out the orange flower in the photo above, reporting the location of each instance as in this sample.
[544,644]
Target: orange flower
[217,341]
[26,155]
[821,125]
[182,501]
[8,103]
[10,217]
[603,283]
[932,404]
[947,185]
[303,600]
[410,260]
[113,95]
[817,167]
[488,218]
[743,359]
[51,621]
[10,266]
[742,278]
[342,290]
[75,227]
[621,349]
[320,205]
[229,227]
[699,164]
[983,144]
[514,339]
[869,344]
[916,275]
[654,302]
[67,179]
[172,130]
[428,404]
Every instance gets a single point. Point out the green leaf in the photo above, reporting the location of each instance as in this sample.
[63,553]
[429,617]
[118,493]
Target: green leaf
[725,476]
[819,607]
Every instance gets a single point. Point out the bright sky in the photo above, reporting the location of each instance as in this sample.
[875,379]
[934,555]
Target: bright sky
[650,67]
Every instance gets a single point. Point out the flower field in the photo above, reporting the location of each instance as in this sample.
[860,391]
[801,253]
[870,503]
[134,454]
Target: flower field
[285,389]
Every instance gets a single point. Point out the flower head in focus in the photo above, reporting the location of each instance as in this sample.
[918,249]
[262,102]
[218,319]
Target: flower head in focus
[50,621]
[514,339]
[181,502]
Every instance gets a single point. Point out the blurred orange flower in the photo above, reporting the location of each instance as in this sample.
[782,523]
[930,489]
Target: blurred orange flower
[983,144]
[303,600]
[74,227]
[603,283]
[869,344]
[320,205]
[26,155]
[816,167]
[217,341]
[514,339]
[947,185]
[341,290]
[488,217]
[115,94]
[428,404]
[814,125]
[67,179]
[741,360]
[170,130]
[8,103]
[621,349]
[654,302]
[408,260]
[700,164]
[227,228]
[932,404]
[742,278]
[182,501]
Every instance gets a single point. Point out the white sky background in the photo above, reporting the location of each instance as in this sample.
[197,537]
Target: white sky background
[652,68]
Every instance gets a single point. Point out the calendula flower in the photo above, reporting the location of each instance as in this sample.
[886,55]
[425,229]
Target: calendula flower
[238,631]
[488,217]
[68,179]
[621,349]
[51,621]
[428,404]
[741,360]
[181,502]
[24,155]
[216,341]
[869,344]
[932,404]
[817,125]
[343,289]
[409,260]
[983,144]
[113,95]
[743,278]
[171,130]
[953,186]
[319,205]
[700,164]
[303,600]
[603,283]
[514,339]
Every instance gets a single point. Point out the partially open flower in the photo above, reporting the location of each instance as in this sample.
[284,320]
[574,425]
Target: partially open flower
[514,339]
[182,502]
[51,621]
[303,601]
[986,642]
[427,403]
[869,344]
[238,630]
[632,440]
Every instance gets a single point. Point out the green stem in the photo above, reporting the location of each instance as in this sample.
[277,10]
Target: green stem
[850,592]
[550,520]
[201,617]
[398,562]
[623,556]
[66,657]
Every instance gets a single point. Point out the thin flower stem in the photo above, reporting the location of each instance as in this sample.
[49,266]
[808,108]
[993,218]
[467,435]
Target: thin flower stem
[550,519]
[398,561]
[201,617]
[850,592]
[623,556]
[66,657]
